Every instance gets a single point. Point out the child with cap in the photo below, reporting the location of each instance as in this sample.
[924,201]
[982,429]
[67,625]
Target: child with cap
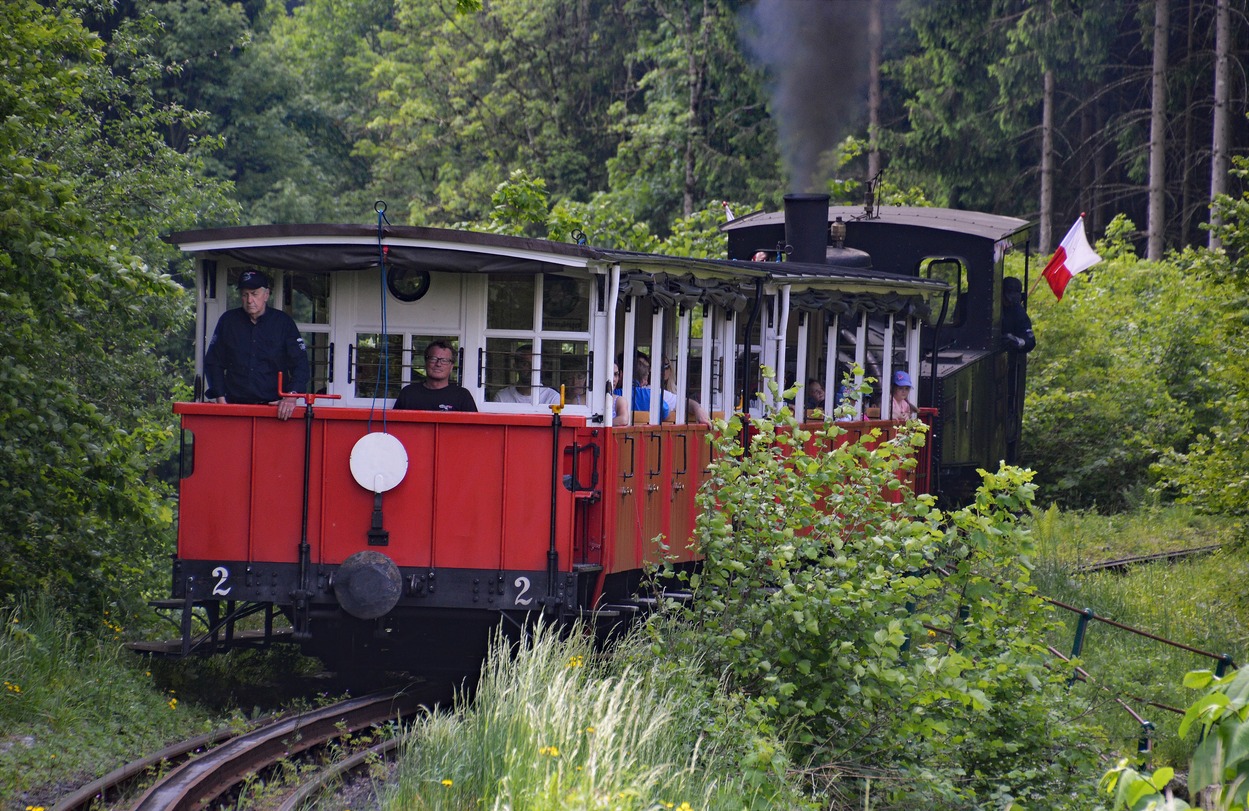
[901,408]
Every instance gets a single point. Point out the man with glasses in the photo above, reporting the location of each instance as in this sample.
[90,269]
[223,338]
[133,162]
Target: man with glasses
[436,392]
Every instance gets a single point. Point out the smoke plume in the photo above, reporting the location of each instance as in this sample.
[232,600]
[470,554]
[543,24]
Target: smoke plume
[816,55]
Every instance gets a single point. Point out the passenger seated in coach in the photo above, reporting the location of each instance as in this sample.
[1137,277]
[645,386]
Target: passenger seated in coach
[520,391]
[694,410]
[642,386]
[900,392]
[813,398]
[576,390]
[619,408]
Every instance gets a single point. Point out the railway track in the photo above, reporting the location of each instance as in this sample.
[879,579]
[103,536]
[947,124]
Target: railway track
[201,770]
[1122,564]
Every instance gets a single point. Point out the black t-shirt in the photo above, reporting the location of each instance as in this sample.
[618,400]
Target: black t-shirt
[416,397]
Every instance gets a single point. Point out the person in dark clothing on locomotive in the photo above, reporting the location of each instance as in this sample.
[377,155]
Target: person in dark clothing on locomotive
[1016,325]
[250,345]
[436,392]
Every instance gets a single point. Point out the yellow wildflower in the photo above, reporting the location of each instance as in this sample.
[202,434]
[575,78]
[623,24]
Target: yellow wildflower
[448,782]
[576,661]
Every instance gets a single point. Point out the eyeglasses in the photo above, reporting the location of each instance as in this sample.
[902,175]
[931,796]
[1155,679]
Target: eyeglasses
[438,361]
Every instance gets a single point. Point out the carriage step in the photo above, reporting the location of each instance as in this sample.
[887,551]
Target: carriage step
[170,603]
[622,608]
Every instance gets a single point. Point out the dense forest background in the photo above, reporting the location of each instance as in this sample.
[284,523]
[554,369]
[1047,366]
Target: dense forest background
[658,108]
[634,121]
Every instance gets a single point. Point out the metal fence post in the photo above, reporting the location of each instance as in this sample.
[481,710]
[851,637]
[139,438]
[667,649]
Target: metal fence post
[1081,627]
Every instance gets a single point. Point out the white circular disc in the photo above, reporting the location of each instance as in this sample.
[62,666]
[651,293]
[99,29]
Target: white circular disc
[378,462]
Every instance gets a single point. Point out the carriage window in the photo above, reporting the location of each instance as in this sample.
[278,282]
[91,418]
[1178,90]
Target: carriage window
[306,297]
[372,378]
[537,339]
[952,272]
[565,304]
[511,303]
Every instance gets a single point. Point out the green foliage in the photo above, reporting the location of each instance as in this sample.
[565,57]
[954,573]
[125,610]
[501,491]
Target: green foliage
[554,726]
[74,704]
[1220,762]
[1187,601]
[86,184]
[855,622]
[1214,471]
[1125,371]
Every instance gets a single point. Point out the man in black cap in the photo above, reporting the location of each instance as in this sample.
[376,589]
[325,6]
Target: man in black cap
[250,346]
[1016,325]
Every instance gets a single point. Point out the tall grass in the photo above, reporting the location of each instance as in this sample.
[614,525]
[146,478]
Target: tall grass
[1193,601]
[555,728]
[74,706]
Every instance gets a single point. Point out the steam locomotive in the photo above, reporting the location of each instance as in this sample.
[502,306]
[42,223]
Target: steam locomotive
[377,538]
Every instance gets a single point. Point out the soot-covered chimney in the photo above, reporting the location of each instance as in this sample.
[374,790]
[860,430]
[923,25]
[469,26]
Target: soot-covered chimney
[806,227]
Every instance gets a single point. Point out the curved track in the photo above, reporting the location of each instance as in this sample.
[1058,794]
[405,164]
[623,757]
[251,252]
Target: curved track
[204,774]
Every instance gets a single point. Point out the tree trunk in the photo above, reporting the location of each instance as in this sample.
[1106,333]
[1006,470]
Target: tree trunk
[875,32]
[1219,153]
[1047,165]
[1157,132]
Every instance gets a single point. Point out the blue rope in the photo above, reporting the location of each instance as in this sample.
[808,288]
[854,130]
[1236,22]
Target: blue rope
[383,371]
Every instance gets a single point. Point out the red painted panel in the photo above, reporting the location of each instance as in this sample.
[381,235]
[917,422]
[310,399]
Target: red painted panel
[477,492]
[238,504]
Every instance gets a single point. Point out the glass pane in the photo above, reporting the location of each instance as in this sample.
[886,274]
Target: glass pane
[565,304]
[508,367]
[319,359]
[420,342]
[371,378]
[567,363]
[306,297]
[950,271]
[510,303]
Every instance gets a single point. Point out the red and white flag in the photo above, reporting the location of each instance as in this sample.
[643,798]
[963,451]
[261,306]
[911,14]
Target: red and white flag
[1073,256]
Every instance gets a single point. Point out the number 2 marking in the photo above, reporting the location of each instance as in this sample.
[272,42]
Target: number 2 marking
[522,583]
[222,574]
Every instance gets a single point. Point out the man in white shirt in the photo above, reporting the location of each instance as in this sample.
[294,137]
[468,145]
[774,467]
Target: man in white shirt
[522,391]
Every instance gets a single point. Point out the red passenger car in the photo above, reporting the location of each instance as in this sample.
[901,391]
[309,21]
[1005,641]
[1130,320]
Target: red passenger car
[395,539]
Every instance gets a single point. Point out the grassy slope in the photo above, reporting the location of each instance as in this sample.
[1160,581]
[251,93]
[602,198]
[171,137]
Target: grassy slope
[1194,601]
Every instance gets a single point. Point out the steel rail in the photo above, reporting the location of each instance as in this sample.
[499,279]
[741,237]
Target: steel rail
[318,782]
[102,789]
[199,781]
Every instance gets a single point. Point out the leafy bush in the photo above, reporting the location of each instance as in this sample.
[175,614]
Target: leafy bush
[1220,764]
[900,646]
[1123,374]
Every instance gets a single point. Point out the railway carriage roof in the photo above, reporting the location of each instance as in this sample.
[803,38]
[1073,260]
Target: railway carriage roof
[321,247]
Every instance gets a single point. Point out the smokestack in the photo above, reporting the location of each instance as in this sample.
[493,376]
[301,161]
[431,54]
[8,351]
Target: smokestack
[806,227]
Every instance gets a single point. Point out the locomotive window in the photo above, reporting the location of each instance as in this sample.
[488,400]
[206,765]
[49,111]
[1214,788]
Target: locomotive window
[406,284]
[952,272]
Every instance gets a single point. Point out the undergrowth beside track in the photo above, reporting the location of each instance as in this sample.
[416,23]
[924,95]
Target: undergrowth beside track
[1196,601]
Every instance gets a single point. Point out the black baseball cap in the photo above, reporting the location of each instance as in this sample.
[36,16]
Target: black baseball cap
[254,280]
